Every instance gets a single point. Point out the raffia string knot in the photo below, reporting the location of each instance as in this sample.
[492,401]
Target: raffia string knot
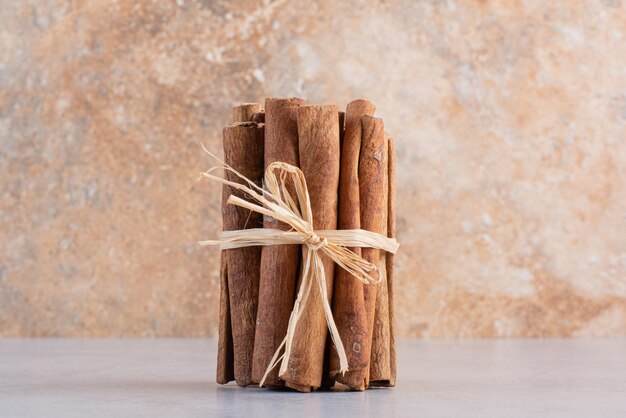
[277,202]
[315,242]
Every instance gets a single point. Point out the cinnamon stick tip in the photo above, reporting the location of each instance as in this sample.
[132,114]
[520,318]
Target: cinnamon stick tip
[243,125]
[331,108]
[365,105]
[292,100]
[371,122]
[246,104]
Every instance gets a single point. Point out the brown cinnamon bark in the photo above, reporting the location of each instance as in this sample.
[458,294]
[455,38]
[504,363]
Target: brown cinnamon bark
[259,117]
[225,356]
[225,372]
[245,111]
[279,263]
[391,232]
[371,189]
[342,127]
[318,136]
[349,301]
[243,150]
[328,381]
[380,361]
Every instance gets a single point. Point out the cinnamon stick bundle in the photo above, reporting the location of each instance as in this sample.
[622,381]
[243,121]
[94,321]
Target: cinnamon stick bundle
[349,165]
[318,136]
[225,356]
[243,150]
[279,263]
[349,302]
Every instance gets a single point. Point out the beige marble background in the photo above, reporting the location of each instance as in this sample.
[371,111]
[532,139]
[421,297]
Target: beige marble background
[510,119]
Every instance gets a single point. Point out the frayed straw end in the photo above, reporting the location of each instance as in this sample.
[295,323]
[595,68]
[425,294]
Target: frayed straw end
[209,242]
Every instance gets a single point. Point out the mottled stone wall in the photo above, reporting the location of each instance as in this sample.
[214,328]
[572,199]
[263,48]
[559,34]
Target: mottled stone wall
[510,120]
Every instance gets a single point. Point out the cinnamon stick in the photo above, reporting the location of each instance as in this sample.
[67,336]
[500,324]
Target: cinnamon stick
[371,190]
[279,263]
[225,372]
[342,126]
[380,360]
[391,232]
[328,381]
[349,302]
[225,356]
[318,136]
[243,150]
[245,111]
[259,117]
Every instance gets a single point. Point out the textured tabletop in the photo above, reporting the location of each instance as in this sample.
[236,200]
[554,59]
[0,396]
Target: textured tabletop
[170,377]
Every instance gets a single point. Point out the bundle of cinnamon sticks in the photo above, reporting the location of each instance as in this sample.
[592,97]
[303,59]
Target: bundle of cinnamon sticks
[349,163]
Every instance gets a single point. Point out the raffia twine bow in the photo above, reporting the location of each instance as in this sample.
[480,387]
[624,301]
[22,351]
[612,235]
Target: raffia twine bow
[276,201]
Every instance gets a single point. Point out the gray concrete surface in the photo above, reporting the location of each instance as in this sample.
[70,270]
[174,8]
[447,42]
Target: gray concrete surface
[175,377]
